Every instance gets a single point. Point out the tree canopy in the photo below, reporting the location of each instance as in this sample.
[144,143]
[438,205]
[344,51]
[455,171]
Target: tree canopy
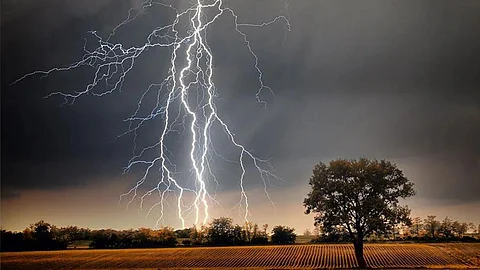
[283,235]
[360,196]
[222,231]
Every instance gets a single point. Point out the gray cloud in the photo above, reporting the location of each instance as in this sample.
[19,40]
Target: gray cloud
[385,79]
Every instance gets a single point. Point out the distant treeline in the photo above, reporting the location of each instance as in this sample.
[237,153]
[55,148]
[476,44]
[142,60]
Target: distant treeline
[221,232]
[420,230]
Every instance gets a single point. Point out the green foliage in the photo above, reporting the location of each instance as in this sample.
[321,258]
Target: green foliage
[360,196]
[283,235]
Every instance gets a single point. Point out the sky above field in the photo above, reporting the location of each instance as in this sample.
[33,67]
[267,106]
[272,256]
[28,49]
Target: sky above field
[381,79]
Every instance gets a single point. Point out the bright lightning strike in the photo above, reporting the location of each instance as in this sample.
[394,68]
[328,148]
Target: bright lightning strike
[190,73]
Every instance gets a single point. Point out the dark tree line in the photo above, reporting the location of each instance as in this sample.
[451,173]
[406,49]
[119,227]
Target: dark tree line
[44,236]
[41,236]
[431,229]
[140,238]
[421,230]
[220,232]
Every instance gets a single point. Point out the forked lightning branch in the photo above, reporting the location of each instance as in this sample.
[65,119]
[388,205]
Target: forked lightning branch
[191,72]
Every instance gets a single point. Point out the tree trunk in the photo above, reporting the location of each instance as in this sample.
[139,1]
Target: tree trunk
[358,245]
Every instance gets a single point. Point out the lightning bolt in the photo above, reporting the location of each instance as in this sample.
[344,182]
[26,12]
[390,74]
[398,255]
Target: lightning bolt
[190,74]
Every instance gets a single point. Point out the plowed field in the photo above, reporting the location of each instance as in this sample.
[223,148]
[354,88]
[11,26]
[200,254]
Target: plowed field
[263,257]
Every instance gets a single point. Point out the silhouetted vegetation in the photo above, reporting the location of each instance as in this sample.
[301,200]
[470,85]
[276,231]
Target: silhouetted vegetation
[43,236]
[39,236]
[220,232]
[358,201]
[420,230]
[358,196]
[283,235]
[183,233]
[336,235]
[141,238]
[447,230]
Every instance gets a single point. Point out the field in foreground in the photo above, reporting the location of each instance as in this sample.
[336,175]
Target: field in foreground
[456,255]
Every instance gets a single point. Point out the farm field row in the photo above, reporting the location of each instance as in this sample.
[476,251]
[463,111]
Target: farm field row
[292,256]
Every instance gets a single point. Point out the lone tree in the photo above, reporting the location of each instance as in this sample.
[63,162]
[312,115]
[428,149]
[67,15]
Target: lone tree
[361,197]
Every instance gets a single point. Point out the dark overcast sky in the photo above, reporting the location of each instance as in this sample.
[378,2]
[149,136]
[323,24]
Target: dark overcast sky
[383,79]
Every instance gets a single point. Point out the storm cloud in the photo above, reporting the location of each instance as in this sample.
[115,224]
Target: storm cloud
[383,79]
